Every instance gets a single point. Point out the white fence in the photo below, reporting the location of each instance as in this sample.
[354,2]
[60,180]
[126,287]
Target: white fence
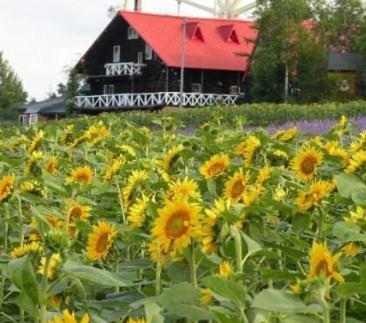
[145,100]
[116,69]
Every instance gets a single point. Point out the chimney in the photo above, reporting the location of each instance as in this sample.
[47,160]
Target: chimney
[138,5]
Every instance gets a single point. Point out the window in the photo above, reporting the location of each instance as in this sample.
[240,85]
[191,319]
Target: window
[132,34]
[116,54]
[140,58]
[108,89]
[148,52]
[196,88]
[234,90]
[33,118]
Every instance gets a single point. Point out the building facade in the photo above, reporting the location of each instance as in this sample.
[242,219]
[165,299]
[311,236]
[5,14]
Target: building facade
[145,61]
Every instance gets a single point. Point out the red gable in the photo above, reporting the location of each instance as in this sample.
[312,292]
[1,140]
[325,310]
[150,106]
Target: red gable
[208,43]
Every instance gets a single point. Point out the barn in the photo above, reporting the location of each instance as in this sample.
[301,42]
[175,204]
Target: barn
[146,60]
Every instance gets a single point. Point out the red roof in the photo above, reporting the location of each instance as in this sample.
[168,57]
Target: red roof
[214,44]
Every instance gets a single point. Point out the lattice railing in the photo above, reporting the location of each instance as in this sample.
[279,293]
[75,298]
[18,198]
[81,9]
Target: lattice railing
[118,69]
[146,100]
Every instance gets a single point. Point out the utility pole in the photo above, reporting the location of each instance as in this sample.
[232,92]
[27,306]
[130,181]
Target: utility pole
[183,61]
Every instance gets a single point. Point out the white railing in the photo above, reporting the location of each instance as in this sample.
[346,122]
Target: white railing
[117,69]
[145,100]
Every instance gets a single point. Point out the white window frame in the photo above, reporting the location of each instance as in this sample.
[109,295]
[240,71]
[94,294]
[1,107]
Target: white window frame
[33,118]
[132,33]
[108,89]
[116,54]
[148,52]
[196,88]
[234,90]
[140,58]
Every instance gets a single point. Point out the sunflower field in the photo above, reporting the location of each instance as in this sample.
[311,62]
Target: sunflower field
[104,221]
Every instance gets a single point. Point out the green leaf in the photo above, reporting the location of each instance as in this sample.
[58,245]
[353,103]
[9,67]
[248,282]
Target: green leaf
[347,184]
[346,290]
[252,245]
[21,273]
[152,311]
[346,232]
[183,300]
[282,302]
[97,276]
[226,288]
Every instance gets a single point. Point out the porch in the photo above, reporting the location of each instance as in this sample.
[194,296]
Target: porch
[150,100]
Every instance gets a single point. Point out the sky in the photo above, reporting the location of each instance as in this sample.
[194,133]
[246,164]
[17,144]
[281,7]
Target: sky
[41,38]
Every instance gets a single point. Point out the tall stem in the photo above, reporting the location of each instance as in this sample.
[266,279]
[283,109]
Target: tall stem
[43,314]
[20,222]
[321,219]
[6,227]
[193,267]
[238,249]
[158,273]
[342,311]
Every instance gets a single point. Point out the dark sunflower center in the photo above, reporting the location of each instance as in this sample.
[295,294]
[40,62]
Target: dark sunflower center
[237,189]
[177,224]
[102,243]
[322,267]
[82,177]
[216,169]
[5,188]
[75,213]
[308,165]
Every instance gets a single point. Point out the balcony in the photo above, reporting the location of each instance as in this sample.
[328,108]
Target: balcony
[148,100]
[120,69]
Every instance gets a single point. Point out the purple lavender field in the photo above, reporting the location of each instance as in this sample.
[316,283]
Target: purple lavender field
[317,127]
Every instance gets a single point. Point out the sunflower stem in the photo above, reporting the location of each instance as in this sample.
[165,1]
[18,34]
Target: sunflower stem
[158,273]
[238,249]
[43,314]
[193,267]
[121,203]
[20,222]
[6,227]
[321,219]
[342,311]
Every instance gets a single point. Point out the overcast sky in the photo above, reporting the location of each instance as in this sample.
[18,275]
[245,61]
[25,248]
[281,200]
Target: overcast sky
[40,38]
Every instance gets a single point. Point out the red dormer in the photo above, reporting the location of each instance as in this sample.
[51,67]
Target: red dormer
[228,33]
[193,31]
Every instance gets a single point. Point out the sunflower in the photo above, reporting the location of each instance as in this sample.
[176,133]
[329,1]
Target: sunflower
[252,194]
[357,160]
[136,214]
[75,212]
[351,249]
[137,177]
[359,143]
[81,175]
[323,263]
[34,187]
[305,163]
[286,135]
[32,247]
[69,317]
[6,186]
[135,320]
[206,296]
[54,263]
[51,165]
[280,154]
[311,197]
[178,222]
[334,149]
[225,269]
[32,162]
[215,167]
[67,134]
[264,175]
[235,186]
[36,140]
[247,148]
[355,216]
[113,168]
[279,194]
[128,149]
[171,156]
[100,240]
[183,189]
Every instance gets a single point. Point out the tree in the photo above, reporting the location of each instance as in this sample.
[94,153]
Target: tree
[287,47]
[12,94]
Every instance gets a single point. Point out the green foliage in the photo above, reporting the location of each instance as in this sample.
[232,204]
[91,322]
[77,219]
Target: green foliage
[12,94]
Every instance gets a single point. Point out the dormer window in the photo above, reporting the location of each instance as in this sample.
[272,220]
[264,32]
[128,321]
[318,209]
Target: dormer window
[116,54]
[193,31]
[148,52]
[131,33]
[228,34]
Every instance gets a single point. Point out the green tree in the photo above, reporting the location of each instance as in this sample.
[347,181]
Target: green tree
[12,94]
[283,51]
